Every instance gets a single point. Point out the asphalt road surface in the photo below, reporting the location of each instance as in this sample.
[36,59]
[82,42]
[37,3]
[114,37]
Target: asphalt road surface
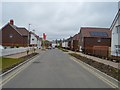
[55,69]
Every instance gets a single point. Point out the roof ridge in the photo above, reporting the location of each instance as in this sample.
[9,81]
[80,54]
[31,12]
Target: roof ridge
[96,27]
[15,28]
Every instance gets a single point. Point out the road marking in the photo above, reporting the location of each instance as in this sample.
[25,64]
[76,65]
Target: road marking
[93,72]
[16,72]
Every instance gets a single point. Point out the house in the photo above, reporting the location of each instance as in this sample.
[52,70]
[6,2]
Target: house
[65,44]
[75,42]
[91,37]
[69,42]
[115,29]
[54,43]
[13,36]
[35,40]
[39,42]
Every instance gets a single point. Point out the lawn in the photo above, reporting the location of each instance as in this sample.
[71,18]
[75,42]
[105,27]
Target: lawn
[6,63]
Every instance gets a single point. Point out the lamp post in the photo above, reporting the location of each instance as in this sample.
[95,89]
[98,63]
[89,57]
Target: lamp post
[29,34]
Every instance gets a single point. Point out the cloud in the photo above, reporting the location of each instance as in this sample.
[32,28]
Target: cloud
[59,19]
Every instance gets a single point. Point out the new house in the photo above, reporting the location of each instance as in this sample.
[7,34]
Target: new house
[69,42]
[91,38]
[13,36]
[65,43]
[75,42]
[35,40]
[115,28]
[39,43]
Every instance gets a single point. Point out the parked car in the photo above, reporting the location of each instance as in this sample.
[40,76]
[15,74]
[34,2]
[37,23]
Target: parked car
[49,47]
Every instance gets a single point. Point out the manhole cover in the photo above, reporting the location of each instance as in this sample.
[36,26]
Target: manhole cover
[36,62]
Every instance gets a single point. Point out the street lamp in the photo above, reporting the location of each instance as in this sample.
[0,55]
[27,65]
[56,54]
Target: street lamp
[29,34]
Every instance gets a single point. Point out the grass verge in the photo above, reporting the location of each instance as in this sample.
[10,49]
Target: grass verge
[8,63]
[64,50]
[111,71]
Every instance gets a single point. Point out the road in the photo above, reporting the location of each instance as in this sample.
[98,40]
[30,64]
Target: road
[55,69]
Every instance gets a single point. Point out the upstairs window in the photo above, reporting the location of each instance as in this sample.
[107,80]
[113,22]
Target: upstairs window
[118,51]
[118,28]
[117,46]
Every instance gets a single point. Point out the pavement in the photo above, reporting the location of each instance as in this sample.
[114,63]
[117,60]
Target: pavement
[104,61]
[22,54]
[54,69]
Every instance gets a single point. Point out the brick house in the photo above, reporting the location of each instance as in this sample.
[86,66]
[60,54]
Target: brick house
[92,37]
[14,36]
[69,42]
[75,42]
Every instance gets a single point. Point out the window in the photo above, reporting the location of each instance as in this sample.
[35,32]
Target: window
[117,46]
[98,34]
[118,29]
[11,35]
[99,40]
[33,39]
[118,51]
[82,39]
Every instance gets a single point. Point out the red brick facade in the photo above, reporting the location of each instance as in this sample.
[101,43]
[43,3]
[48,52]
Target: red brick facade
[12,37]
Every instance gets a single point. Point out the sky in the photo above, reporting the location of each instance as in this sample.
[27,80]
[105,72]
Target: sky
[59,19]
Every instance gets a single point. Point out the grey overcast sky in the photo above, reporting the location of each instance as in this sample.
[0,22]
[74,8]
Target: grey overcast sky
[59,19]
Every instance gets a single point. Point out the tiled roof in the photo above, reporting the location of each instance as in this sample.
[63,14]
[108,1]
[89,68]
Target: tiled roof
[85,31]
[69,39]
[23,31]
[76,37]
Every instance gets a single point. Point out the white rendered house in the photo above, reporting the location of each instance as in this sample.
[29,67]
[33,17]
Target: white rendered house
[39,43]
[63,44]
[33,39]
[66,44]
[115,41]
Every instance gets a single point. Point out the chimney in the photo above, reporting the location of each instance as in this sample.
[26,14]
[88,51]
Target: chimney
[11,22]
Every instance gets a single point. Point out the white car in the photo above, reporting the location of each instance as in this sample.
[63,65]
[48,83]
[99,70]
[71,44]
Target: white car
[49,47]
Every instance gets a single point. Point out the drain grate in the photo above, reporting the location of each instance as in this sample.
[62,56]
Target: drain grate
[36,62]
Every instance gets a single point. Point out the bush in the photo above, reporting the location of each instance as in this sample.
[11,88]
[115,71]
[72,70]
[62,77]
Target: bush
[17,46]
